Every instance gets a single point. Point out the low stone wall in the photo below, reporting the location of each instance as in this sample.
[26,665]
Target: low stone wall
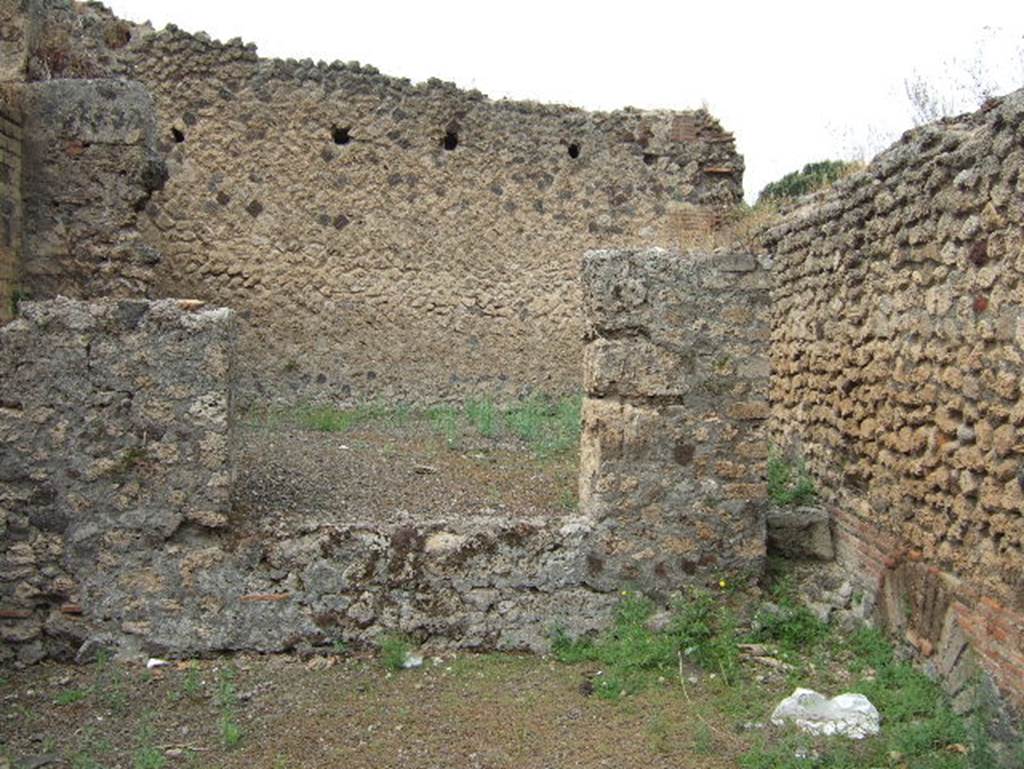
[115,477]
[676,378]
[116,527]
[896,347]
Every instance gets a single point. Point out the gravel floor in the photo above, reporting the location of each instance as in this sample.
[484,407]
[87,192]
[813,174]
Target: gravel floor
[381,472]
[465,712]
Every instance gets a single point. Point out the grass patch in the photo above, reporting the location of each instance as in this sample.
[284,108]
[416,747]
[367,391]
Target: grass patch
[394,651]
[71,696]
[109,685]
[227,699]
[548,425]
[789,483]
[445,420]
[146,754]
[701,631]
[710,631]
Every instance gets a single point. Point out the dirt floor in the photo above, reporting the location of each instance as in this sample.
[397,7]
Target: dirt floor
[381,469]
[465,711]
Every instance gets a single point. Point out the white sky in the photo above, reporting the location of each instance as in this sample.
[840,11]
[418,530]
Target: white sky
[794,81]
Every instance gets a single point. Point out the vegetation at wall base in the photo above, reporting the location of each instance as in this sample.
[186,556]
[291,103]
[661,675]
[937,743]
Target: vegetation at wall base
[789,483]
[706,636]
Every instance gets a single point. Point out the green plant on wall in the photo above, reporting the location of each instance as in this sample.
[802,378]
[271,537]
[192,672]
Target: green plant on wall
[811,177]
[789,483]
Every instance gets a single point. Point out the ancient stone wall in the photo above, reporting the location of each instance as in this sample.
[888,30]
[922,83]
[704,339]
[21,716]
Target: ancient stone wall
[92,166]
[10,199]
[117,527]
[896,347]
[675,382]
[379,239]
[114,426]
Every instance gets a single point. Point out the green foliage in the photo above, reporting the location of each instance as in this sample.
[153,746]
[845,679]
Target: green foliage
[811,177]
[147,755]
[83,759]
[230,731]
[483,415]
[191,684]
[549,426]
[705,630]
[445,420]
[702,742]
[791,626]
[227,698]
[71,696]
[17,297]
[569,501]
[109,685]
[327,419]
[701,629]
[394,650]
[919,724]
[789,482]
[920,729]
[331,419]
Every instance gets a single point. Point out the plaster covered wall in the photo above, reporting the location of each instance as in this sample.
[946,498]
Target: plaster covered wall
[379,239]
[896,346]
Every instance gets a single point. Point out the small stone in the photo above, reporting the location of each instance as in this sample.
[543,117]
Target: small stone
[849,715]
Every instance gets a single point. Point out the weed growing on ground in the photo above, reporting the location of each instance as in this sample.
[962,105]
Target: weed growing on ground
[227,699]
[634,655]
[327,419]
[568,500]
[702,742]
[789,482]
[109,685]
[548,426]
[920,729]
[394,650]
[445,420]
[484,416]
[191,684]
[71,696]
[147,755]
[91,746]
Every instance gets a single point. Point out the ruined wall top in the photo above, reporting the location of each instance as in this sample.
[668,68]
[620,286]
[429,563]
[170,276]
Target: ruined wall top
[380,239]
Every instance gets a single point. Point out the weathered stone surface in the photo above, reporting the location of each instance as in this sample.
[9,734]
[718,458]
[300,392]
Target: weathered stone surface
[115,480]
[896,351]
[10,188]
[106,415]
[334,207]
[802,532]
[92,166]
[670,457]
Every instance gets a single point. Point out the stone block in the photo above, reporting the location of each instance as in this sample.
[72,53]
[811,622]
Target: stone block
[800,532]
